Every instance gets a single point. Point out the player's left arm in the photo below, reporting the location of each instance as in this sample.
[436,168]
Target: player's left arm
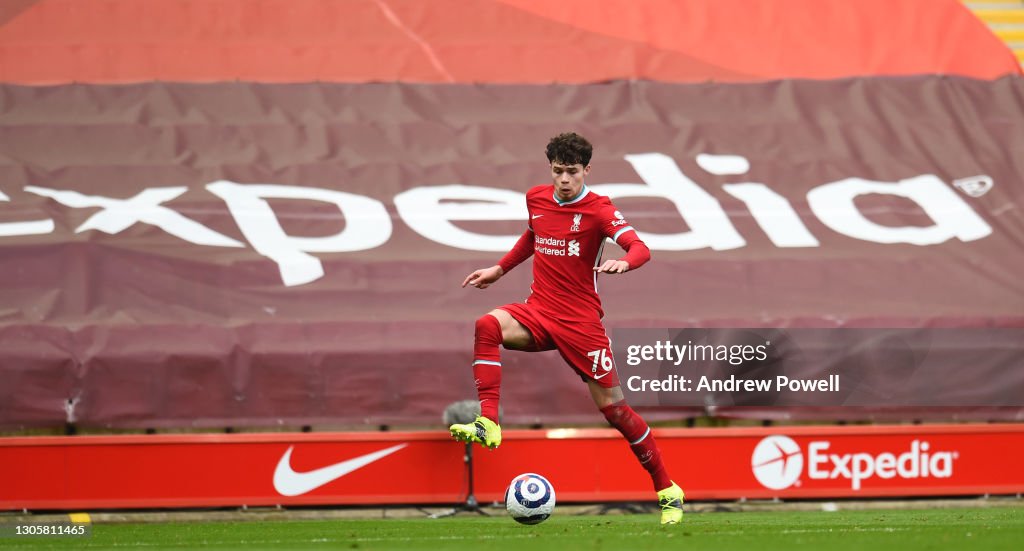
[615,227]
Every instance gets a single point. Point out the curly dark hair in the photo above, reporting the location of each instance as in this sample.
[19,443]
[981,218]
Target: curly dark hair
[569,148]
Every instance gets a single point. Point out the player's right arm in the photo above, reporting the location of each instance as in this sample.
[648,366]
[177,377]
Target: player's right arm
[484,277]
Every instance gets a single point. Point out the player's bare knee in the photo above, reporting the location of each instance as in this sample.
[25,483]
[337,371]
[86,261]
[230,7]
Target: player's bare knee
[604,397]
[502,316]
[513,335]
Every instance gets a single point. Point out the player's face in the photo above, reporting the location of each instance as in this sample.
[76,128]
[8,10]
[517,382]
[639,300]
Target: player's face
[568,179]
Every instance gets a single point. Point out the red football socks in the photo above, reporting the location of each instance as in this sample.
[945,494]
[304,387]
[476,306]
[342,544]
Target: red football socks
[487,365]
[641,441]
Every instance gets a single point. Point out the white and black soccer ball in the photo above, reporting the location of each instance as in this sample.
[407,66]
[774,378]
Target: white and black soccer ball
[530,498]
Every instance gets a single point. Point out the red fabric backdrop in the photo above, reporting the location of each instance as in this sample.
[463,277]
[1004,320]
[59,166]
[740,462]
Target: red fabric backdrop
[506,41]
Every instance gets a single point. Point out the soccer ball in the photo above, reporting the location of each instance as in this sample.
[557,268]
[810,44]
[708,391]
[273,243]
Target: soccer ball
[530,499]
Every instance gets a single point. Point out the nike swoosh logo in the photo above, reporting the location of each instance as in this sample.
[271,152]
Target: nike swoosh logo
[536,216]
[287,482]
[605,374]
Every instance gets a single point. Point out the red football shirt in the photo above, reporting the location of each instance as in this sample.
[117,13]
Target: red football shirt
[568,239]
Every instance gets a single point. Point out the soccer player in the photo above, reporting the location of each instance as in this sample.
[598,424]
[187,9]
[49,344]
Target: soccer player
[566,232]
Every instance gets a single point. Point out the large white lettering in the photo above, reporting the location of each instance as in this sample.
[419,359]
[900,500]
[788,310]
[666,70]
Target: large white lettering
[32,227]
[120,214]
[709,225]
[367,225]
[423,210]
[774,214]
[431,211]
[952,217]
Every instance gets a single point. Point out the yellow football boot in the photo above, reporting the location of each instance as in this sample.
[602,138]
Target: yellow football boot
[671,501]
[483,431]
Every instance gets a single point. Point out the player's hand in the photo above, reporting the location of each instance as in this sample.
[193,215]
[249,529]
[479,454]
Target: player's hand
[612,267]
[483,278]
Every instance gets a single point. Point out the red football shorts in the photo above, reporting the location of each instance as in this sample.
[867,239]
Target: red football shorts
[584,345]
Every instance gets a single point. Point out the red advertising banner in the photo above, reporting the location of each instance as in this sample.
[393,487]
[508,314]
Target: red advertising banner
[588,465]
[486,41]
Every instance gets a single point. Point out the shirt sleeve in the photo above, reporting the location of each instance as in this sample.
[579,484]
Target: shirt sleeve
[613,224]
[637,253]
[618,229]
[522,250]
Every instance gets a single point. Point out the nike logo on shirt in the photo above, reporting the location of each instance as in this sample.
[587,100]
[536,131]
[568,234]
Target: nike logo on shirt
[536,216]
[287,482]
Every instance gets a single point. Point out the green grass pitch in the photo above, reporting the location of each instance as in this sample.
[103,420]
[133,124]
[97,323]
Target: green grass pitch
[960,529]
